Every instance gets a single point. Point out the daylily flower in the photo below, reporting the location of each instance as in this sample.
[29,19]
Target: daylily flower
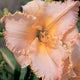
[36,37]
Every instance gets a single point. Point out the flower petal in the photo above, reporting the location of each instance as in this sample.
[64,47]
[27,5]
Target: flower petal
[23,60]
[60,55]
[70,36]
[66,22]
[19,32]
[47,63]
[76,78]
[58,18]
[32,7]
[75,55]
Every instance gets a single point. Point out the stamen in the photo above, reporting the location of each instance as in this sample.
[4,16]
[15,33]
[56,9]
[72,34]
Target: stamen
[38,33]
[44,37]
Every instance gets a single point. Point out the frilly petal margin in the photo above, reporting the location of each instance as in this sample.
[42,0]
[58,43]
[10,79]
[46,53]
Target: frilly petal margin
[46,63]
[19,32]
[74,58]
[76,78]
[67,22]
[75,55]
[23,60]
[59,18]
[69,36]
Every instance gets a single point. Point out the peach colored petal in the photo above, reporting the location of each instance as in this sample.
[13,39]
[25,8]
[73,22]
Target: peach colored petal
[19,32]
[69,36]
[32,7]
[66,69]
[66,22]
[71,78]
[59,17]
[47,63]
[74,48]
[23,60]
[42,65]
[59,55]
[75,51]
[75,55]
[76,78]
[65,78]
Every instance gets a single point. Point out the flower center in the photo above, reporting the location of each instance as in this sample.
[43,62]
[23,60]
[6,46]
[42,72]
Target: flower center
[43,36]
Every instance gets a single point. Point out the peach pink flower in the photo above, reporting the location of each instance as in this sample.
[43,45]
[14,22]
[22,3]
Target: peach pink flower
[36,37]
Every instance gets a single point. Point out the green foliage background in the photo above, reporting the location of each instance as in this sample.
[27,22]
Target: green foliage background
[9,68]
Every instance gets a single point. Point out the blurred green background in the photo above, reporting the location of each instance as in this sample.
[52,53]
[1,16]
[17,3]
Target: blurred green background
[9,68]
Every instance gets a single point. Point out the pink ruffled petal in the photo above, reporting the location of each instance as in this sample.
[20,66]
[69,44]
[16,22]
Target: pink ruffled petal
[58,18]
[66,69]
[75,51]
[70,36]
[76,78]
[32,7]
[74,58]
[75,55]
[19,32]
[47,63]
[60,55]
[66,22]
[23,60]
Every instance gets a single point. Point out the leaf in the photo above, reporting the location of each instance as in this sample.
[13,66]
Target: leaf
[5,70]
[6,11]
[33,77]
[48,0]
[23,74]
[1,14]
[30,75]
[1,34]
[27,1]
[9,57]
[78,24]
[4,76]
